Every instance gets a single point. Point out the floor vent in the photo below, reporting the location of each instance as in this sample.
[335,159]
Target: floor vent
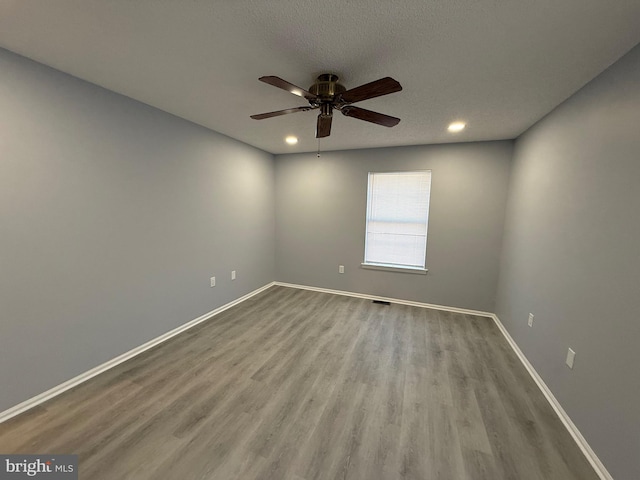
[381,302]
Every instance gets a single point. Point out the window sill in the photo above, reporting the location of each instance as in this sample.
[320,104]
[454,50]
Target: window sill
[394,268]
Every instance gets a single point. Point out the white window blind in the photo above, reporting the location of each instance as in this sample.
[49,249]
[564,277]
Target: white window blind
[397,219]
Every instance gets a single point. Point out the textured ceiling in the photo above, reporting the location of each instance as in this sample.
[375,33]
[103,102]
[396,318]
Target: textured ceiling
[499,65]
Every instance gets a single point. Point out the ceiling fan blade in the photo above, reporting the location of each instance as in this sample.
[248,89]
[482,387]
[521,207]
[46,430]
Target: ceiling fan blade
[262,116]
[369,116]
[289,87]
[323,129]
[384,86]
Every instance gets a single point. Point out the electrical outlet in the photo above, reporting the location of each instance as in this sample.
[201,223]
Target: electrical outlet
[530,321]
[571,355]
[340,268]
[233,274]
[213,281]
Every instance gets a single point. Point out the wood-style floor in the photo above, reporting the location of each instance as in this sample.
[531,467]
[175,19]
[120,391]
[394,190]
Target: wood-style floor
[300,385]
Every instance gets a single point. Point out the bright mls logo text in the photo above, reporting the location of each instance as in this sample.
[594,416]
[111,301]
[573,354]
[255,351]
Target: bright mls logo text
[39,466]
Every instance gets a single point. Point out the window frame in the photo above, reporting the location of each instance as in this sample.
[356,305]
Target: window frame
[390,267]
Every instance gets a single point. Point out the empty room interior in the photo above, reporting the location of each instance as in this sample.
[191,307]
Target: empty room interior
[320,240]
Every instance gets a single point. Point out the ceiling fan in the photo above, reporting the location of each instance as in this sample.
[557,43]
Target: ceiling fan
[328,95]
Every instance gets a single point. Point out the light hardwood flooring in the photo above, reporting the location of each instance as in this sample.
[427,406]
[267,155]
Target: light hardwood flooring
[301,385]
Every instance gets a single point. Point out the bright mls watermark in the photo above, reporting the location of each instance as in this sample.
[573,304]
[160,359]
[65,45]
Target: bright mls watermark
[49,467]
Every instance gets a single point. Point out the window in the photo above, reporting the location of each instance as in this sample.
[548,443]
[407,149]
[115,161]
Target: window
[397,219]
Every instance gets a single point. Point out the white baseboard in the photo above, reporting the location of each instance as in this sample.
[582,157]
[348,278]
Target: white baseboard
[388,299]
[83,377]
[588,452]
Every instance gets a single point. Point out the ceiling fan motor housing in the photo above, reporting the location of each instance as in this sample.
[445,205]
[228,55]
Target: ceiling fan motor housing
[327,87]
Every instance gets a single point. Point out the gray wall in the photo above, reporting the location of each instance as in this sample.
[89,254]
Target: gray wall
[321,206]
[572,257]
[113,216]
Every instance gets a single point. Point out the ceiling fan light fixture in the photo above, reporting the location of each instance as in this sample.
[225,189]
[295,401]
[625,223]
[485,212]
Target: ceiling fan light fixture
[456,127]
[291,140]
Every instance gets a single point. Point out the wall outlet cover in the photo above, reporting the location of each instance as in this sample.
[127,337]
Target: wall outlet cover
[571,355]
[530,321]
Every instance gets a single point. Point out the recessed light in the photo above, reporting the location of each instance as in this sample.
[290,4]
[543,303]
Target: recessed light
[291,140]
[456,126]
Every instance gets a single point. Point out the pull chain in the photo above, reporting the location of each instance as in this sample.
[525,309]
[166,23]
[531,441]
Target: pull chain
[318,148]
